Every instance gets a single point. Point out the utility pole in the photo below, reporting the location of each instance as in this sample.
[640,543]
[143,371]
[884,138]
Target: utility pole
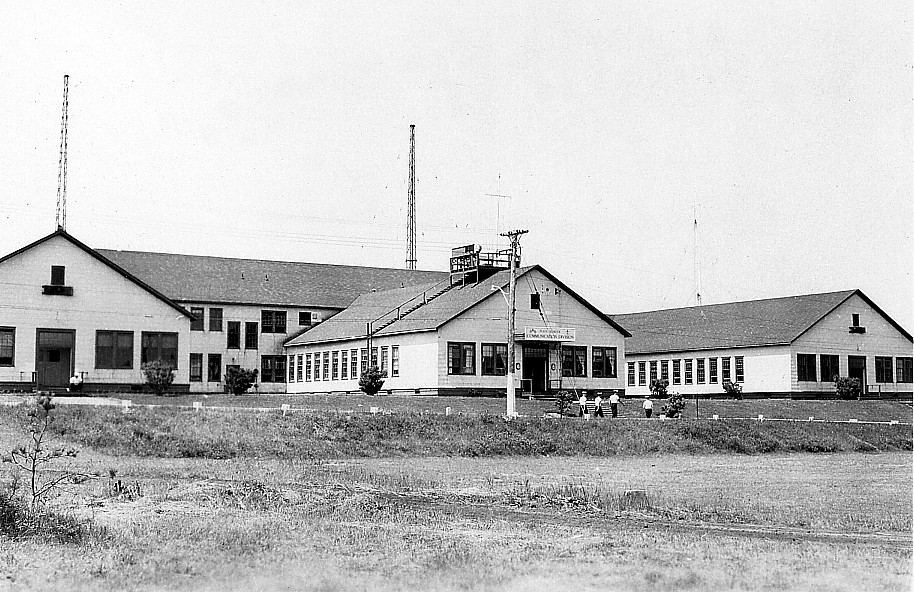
[411,221]
[514,237]
[61,220]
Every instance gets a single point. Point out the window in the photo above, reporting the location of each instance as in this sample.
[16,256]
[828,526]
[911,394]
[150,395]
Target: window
[364,358]
[299,363]
[215,319]
[725,369]
[384,351]
[677,378]
[291,362]
[534,301]
[214,368]
[574,361]
[344,365]
[196,324]
[305,319]
[494,359]
[374,357]
[712,370]
[604,362]
[904,369]
[114,349]
[740,376]
[642,373]
[273,321]
[159,346]
[272,368]
[664,370]
[700,370]
[828,365]
[806,367]
[395,359]
[631,374]
[354,363]
[326,366]
[196,367]
[308,367]
[653,369]
[335,365]
[7,346]
[251,337]
[461,358]
[856,319]
[688,371]
[233,335]
[58,273]
[884,369]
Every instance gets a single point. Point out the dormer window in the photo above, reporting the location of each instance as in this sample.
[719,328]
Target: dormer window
[58,279]
[855,324]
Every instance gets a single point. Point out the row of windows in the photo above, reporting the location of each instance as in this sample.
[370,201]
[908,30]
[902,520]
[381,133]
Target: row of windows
[343,364]
[461,359]
[828,368]
[272,368]
[692,371]
[271,321]
[904,369]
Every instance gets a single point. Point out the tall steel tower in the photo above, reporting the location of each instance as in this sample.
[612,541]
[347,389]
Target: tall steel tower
[62,164]
[411,223]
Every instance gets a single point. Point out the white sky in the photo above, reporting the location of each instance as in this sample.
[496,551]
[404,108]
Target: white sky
[281,131]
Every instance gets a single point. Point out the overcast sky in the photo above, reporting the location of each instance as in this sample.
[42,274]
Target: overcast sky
[281,131]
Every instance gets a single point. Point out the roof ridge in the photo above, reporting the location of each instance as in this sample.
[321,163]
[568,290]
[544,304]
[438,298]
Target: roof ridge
[705,306]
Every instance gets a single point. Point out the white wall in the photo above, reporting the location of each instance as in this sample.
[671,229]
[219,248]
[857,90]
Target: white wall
[102,300]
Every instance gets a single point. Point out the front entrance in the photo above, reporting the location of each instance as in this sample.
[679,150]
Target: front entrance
[54,357]
[536,367]
[856,368]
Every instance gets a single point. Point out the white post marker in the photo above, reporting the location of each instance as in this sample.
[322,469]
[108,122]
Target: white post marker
[198,405]
[810,418]
[447,410]
[893,422]
[761,417]
[285,408]
[852,421]
[715,416]
[125,405]
[373,409]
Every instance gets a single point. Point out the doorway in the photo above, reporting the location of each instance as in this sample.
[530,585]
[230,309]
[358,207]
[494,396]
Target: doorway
[54,357]
[856,368]
[536,367]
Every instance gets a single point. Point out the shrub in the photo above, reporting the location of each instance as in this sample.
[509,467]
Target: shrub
[659,388]
[733,389]
[564,401]
[372,380]
[847,388]
[239,380]
[159,376]
[674,406]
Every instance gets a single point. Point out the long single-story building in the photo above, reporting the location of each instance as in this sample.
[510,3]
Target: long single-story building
[66,307]
[450,338]
[778,347]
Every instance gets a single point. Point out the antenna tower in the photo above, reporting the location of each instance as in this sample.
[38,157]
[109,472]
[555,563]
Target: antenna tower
[411,223]
[696,261]
[62,164]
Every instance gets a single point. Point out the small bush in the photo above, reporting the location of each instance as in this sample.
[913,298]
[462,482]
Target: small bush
[674,406]
[239,380]
[847,388]
[564,401]
[735,390]
[659,388]
[159,376]
[372,380]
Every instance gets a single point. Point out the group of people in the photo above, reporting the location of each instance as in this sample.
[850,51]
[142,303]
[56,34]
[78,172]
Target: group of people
[614,401]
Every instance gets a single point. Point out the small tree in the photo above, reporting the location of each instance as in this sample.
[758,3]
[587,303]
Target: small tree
[239,380]
[564,400]
[674,406]
[372,380]
[847,388]
[734,389]
[659,388]
[159,376]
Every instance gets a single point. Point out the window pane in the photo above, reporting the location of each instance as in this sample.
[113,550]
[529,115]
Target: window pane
[215,319]
[7,346]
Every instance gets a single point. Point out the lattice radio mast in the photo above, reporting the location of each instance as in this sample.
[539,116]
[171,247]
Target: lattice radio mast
[62,164]
[411,223]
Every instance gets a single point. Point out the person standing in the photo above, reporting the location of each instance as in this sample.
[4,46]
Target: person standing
[583,403]
[614,402]
[648,406]
[76,383]
[598,407]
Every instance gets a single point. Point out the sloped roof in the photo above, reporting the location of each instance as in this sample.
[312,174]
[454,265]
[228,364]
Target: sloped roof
[197,278]
[753,323]
[351,323]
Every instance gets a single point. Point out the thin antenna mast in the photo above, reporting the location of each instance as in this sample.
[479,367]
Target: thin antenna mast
[696,261]
[411,223]
[61,219]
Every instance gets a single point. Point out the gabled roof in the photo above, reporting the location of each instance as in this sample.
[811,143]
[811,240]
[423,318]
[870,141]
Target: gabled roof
[97,255]
[196,278]
[352,322]
[753,323]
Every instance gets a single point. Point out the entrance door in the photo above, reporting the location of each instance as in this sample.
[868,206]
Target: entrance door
[856,368]
[54,357]
[536,366]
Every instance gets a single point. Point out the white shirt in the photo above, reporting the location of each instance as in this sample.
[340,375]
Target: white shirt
[598,401]
[582,401]
[647,404]
[613,399]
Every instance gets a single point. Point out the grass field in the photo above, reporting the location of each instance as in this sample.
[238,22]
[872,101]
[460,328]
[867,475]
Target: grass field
[299,505]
